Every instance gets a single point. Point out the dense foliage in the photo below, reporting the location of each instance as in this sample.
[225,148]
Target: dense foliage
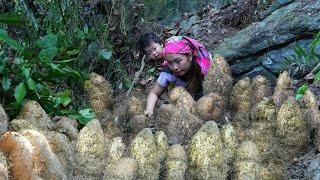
[48,49]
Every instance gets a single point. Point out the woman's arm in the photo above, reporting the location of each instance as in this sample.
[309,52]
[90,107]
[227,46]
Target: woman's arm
[153,96]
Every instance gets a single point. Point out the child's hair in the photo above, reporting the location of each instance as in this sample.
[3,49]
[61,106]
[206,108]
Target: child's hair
[146,39]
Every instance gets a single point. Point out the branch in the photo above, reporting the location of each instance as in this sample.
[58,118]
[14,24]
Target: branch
[136,75]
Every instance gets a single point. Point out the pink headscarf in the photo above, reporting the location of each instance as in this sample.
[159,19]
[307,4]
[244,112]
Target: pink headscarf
[185,45]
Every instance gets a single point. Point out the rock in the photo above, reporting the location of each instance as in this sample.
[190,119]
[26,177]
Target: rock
[134,107]
[271,78]
[182,99]
[262,134]
[138,123]
[33,112]
[247,161]
[45,159]
[175,93]
[272,170]
[111,125]
[317,140]
[66,127]
[230,142]
[117,165]
[115,150]
[100,93]
[264,111]
[263,117]
[176,163]
[177,123]
[21,154]
[124,169]
[282,26]
[164,115]
[241,102]
[309,99]
[313,169]
[21,124]
[205,154]
[291,128]
[90,149]
[161,141]
[3,167]
[182,127]
[143,148]
[218,79]
[65,151]
[240,67]
[312,119]
[210,107]
[275,60]
[3,120]
[283,89]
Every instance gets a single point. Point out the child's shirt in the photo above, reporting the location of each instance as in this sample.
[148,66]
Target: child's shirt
[167,79]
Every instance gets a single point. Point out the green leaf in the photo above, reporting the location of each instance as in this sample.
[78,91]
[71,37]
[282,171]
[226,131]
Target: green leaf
[18,61]
[2,66]
[10,18]
[317,76]
[26,72]
[73,52]
[87,113]
[315,42]
[65,98]
[6,83]
[105,54]
[31,84]
[20,93]
[71,71]
[79,34]
[301,91]
[11,42]
[66,60]
[299,96]
[47,54]
[47,41]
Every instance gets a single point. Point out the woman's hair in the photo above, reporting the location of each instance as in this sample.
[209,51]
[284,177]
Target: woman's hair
[195,78]
[146,39]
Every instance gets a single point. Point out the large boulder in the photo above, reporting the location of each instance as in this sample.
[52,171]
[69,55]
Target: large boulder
[3,121]
[144,149]
[176,163]
[90,149]
[100,93]
[282,26]
[35,114]
[205,154]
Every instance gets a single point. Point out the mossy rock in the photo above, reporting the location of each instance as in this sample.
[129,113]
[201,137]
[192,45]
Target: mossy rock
[205,154]
[90,149]
[176,163]
[143,148]
[291,127]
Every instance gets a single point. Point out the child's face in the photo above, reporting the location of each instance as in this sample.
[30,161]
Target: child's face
[179,63]
[154,51]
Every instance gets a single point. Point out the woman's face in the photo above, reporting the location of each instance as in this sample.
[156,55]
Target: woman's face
[154,51]
[178,63]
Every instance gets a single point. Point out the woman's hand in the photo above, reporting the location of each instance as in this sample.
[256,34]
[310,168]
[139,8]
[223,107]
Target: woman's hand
[148,113]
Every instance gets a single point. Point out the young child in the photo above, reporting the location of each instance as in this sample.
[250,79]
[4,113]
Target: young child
[152,46]
[186,63]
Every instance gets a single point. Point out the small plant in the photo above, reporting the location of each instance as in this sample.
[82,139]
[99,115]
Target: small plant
[304,62]
[84,116]
[301,91]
